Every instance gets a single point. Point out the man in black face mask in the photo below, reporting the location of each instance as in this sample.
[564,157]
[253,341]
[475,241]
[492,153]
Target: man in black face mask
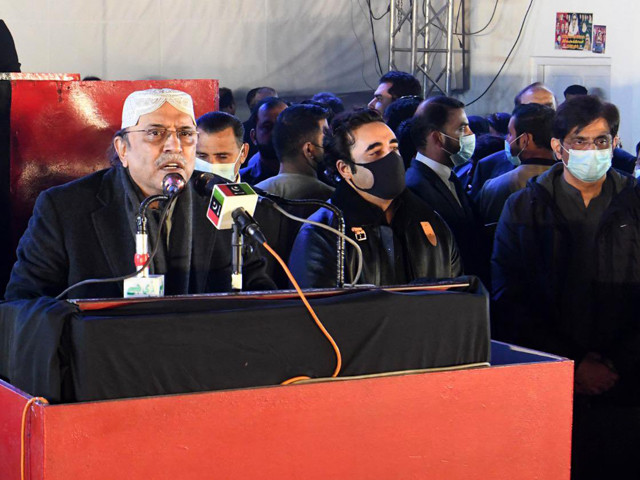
[264,164]
[402,239]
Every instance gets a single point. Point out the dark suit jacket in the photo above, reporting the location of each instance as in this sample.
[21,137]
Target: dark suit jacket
[487,168]
[81,230]
[427,185]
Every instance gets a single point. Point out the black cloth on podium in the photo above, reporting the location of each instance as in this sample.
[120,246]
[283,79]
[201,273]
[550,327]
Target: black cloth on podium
[191,344]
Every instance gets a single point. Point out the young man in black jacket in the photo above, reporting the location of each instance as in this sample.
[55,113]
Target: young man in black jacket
[566,280]
[402,238]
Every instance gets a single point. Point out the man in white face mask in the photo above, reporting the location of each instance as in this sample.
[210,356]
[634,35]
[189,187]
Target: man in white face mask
[220,149]
[441,134]
[566,280]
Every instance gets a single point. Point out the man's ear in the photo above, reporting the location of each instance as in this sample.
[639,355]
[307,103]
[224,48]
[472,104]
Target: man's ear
[525,141]
[435,138]
[556,146]
[307,151]
[616,141]
[245,153]
[344,169]
[121,146]
[252,134]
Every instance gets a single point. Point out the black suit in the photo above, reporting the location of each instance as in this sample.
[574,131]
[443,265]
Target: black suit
[427,185]
[81,230]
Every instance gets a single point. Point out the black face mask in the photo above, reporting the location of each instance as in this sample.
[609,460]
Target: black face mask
[388,176]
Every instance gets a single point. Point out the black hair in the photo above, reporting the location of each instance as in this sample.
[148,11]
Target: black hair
[500,122]
[112,154]
[329,100]
[226,98]
[400,110]
[330,113]
[578,112]
[402,84]
[537,120]
[340,139]
[478,125]
[405,143]
[214,122]
[486,145]
[294,127]
[637,148]
[432,117]
[251,94]
[269,102]
[575,90]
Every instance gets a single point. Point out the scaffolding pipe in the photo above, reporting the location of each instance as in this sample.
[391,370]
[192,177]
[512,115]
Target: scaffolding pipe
[392,33]
[427,30]
[449,64]
[414,40]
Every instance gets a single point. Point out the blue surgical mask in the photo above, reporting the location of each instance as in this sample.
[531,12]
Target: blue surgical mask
[636,172]
[467,146]
[589,165]
[507,150]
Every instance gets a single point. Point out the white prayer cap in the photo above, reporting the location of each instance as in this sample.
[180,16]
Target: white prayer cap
[142,102]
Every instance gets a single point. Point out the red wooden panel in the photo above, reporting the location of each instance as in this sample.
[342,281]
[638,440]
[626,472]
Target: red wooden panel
[61,130]
[12,401]
[498,423]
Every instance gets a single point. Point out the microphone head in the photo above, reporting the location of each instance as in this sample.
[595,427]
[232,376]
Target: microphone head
[172,184]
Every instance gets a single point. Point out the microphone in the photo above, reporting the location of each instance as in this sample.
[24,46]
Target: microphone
[248,226]
[172,184]
[226,198]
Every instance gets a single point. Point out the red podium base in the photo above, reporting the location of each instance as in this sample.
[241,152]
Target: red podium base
[508,421]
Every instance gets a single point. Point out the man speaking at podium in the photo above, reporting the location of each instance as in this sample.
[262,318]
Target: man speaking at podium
[86,228]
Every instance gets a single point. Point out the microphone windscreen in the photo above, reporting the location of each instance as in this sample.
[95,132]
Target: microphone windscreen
[172,184]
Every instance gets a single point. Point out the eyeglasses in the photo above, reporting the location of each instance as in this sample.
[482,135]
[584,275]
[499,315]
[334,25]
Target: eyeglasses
[601,143]
[158,136]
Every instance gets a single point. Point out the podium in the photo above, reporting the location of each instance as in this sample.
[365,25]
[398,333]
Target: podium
[508,420]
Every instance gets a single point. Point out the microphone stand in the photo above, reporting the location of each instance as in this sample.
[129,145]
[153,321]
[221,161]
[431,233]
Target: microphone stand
[142,246]
[237,244]
[205,182]
[172,185]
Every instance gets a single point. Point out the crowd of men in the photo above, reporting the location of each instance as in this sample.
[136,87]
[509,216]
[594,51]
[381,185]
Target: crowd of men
[541,204]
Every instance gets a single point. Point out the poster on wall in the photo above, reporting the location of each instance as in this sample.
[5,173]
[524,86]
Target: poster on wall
[573,31]
[599,38]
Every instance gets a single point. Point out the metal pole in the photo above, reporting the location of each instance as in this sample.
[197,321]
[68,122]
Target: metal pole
[414,29]
[427,16]
[392,23]
[449,64]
